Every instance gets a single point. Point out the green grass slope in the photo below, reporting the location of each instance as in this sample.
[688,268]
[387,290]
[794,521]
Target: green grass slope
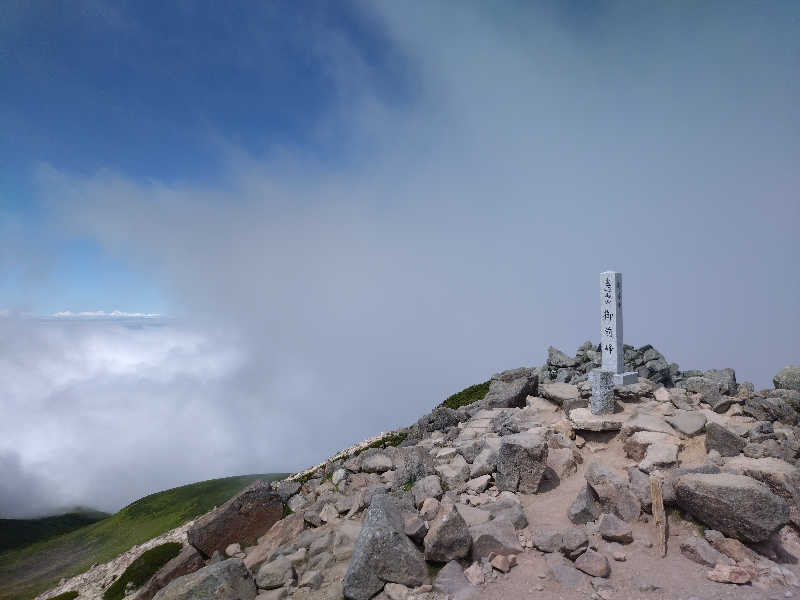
[17,533]
[26,572]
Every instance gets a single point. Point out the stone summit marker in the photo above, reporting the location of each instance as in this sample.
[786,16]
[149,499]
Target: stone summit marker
[611,372]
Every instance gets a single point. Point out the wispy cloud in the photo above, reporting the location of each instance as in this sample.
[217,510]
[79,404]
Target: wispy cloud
[100,314]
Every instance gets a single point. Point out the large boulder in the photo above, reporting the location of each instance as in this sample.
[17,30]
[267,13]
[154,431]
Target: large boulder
[448,536]
[736,505]
[522,461]
[383,552]
[225,580]
[787,378]
[188,561]
[242,519]
[510,389]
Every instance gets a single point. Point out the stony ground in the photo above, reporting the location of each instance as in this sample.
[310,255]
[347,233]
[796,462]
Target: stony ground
[526,494]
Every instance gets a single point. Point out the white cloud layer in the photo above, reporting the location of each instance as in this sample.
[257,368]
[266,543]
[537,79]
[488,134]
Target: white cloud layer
[453,236]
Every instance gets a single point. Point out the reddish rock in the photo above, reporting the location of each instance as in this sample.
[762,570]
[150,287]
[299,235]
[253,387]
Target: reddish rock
[243,519]
[729,574]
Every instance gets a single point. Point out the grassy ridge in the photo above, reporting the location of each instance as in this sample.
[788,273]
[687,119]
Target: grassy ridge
[467,396]
[25,572]
[16,533]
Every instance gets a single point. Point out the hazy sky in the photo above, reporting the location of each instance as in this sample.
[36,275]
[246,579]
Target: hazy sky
[344,212]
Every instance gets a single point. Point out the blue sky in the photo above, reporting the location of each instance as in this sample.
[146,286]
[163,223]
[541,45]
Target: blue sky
[159,91]
[350,210]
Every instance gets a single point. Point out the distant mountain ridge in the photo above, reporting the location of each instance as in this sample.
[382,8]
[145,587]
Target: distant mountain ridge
[27,570]
[18,533]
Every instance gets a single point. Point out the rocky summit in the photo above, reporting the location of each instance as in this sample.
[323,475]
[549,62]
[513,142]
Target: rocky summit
[690,488]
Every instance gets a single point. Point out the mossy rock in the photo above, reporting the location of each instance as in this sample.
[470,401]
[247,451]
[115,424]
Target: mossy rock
[467,396]
[142,569]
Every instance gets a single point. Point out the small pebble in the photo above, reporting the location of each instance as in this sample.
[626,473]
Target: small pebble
[619,556]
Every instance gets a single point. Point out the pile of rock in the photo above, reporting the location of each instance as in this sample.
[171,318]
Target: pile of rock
[443,513]
[646,360]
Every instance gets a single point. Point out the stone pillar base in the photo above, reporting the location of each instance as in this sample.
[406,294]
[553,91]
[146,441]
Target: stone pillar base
[602,391]
[626,378]
[603,383]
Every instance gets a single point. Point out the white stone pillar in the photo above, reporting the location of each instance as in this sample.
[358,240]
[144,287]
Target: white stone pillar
[611,321]
[612,372]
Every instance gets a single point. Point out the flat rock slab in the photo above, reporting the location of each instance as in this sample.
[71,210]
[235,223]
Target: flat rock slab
[688,422]
[636,445]
[583,420]
[646,422]
[565,395]
[659,456]
[701,552]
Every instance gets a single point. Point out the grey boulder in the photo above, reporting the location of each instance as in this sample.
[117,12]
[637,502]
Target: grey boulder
[496,536]
[723,440]
[383,552]
[725,378]
[613,492]
[585,507]
[226,580]
[427,487]
[787,378]
[738,506]
[770,409]
[448,536]
[452,582]
[522,461]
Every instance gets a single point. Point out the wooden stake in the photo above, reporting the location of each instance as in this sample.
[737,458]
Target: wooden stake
[659,516]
